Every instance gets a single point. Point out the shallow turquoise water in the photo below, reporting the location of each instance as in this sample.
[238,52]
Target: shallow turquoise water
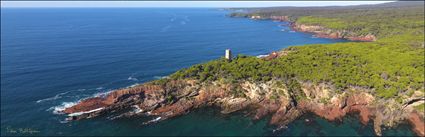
[53,57]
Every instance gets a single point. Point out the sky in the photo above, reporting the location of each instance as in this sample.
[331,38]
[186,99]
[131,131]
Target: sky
[181,3]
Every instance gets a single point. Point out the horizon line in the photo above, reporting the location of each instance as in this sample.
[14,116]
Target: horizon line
[180,4]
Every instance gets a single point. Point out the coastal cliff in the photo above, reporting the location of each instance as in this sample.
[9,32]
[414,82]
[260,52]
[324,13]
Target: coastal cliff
[323,32]
[382,80]
[274,86]
[317,30]
[275,97]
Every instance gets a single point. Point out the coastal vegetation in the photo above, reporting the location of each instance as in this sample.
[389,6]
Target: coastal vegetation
[421,108]
[380,20]
[381,79]
[391,66]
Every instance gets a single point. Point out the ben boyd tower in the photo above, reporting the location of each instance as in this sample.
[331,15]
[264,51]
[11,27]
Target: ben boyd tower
[228,55]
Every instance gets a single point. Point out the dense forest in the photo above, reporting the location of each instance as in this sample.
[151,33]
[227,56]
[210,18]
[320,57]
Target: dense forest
[391,66]
[381,20]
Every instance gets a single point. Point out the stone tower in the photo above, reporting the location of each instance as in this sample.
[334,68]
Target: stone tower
[228,55]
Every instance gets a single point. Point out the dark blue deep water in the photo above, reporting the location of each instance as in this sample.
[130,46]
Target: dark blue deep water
[53,57]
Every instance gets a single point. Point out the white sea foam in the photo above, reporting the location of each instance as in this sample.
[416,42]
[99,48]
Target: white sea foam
[156,119]
[99,88]
[160,77]
[58,109]
[131,78]
[63,121]
[99,94]
[153,120]
[84,112]
[48,99]
[62,95]
[57,96]
[262,56]
[137,109]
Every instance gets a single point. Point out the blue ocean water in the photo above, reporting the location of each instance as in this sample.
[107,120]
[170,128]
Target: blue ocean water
[53,57]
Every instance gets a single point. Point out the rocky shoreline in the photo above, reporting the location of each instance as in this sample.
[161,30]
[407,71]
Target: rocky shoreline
[319,31]
[167,98]
[178,97]
[322,32]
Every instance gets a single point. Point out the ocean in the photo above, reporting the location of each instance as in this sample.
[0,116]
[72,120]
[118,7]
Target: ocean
[53,57]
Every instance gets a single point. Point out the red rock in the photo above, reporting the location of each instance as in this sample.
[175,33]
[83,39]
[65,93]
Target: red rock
[175,109]
[271,56]
[366,38]
[86,105]
[322,32]
[363,112]
[111,98]
[417,123]
[329,112]
[152,98]
[266,107]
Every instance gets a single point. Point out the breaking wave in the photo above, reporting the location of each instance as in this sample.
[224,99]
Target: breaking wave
[62,107]
[84,112]
[133,85]
[99,88]
[137,109]
[62,95]
[59,108]
[57,96]
[152,121]
[262,56]
[160,77]
[132,78]
[100,94]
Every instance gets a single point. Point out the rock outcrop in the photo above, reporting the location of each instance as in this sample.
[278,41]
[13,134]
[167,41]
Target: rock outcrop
[319,31]
[323,32]
[177,97]
[417,123]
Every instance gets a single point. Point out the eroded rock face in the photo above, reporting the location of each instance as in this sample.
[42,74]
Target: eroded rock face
[177,97]
[153,96]
[417,123]
[87,105]
[368,37]
[340,106]
[322,32]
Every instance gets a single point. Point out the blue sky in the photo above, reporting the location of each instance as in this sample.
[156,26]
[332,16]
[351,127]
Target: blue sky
[181,3]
